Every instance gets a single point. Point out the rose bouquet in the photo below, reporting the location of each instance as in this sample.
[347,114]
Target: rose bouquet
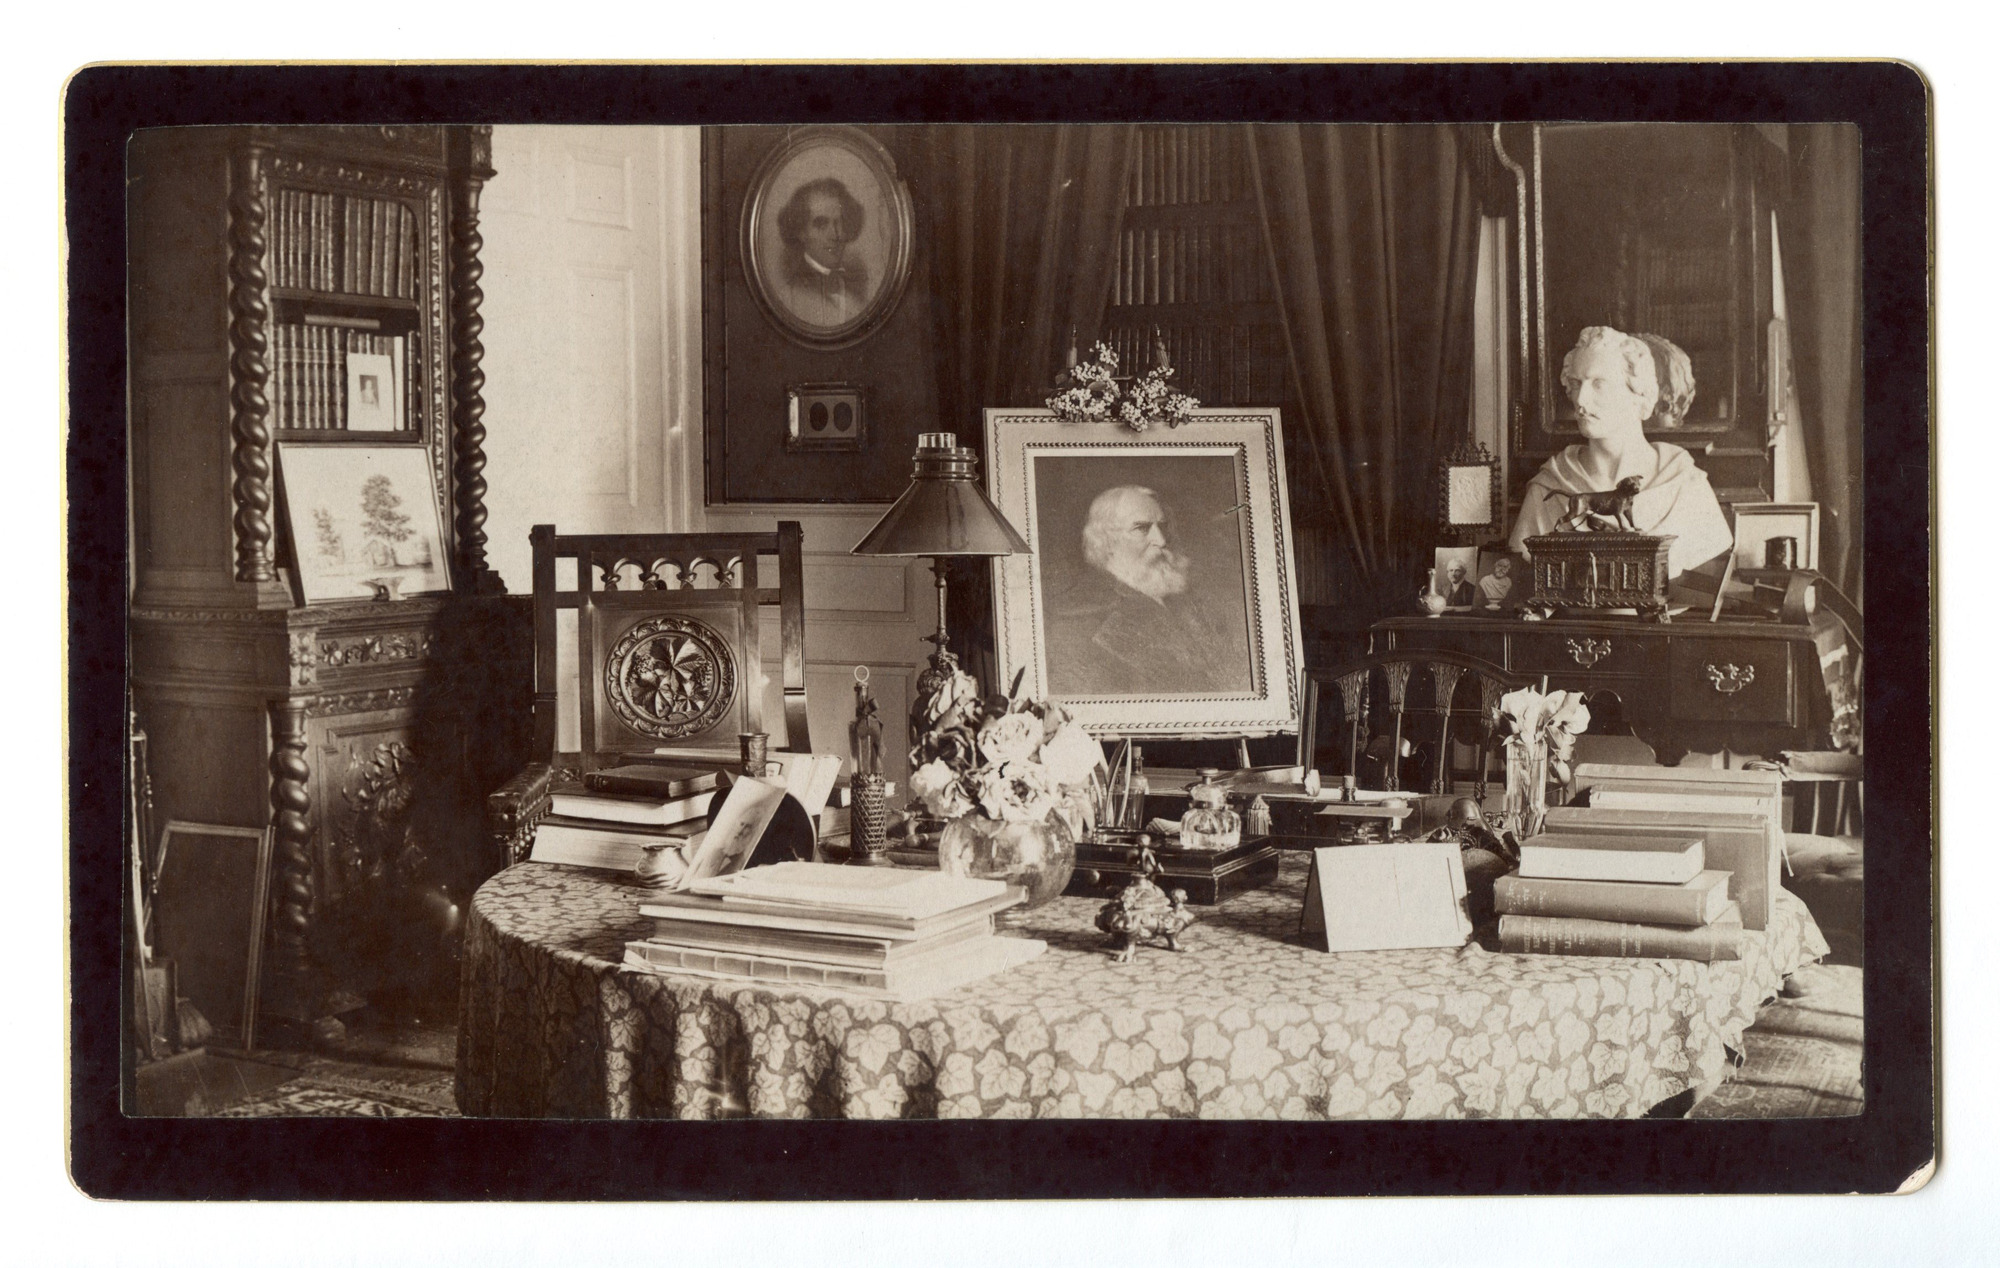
[1013,758]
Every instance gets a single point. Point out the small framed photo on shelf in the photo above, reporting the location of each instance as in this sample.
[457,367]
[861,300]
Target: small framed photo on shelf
[1499,574]
[1776,535]
[1455,577]
[365,521]
[374,393]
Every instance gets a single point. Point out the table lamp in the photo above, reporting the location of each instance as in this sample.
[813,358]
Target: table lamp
[943,514]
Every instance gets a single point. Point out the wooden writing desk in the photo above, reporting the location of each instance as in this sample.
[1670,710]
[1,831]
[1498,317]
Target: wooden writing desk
[1748,686]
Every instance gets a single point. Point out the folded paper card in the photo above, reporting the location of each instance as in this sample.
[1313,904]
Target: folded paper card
[1387,897]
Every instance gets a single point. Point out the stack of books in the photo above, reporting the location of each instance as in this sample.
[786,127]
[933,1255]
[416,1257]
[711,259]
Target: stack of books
[1644,895]
[882,933]
[1738,814]
[621,811]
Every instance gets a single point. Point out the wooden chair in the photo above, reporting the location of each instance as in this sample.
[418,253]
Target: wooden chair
[1455,696]
[667,657]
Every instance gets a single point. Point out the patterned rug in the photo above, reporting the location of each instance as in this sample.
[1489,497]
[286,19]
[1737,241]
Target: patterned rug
[1802,1058]
[335,1089]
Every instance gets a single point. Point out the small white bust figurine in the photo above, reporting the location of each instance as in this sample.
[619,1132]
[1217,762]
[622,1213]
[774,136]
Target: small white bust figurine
[1611,378]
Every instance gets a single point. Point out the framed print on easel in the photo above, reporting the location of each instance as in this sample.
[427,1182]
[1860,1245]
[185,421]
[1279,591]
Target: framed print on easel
[1160,599]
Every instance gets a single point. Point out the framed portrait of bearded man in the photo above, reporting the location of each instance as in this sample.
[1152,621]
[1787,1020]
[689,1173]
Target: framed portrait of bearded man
[1161,595]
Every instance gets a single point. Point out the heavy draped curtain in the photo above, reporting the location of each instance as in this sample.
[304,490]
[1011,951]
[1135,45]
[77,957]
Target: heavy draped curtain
[1373,234]
[1822,241]
[1024,219]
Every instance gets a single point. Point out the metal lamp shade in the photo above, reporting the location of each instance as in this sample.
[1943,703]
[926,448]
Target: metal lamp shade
[944,511]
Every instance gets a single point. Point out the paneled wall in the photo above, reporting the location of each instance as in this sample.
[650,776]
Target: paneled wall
[593,401]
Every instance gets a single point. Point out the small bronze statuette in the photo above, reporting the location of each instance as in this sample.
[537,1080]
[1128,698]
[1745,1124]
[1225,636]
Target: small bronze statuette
[1142,911]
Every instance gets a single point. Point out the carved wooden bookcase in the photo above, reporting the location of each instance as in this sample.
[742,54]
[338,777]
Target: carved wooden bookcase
[367,734]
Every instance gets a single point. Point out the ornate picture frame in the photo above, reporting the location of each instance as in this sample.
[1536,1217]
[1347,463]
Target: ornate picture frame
[1470,499]
[1161,597]
[365,522]
[827,233]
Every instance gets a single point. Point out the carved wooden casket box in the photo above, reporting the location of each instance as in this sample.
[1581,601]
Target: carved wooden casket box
[1599,570]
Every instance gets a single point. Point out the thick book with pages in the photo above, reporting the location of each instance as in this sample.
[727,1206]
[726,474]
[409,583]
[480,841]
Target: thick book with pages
[1696,902]
[1575,935]
[1660,857]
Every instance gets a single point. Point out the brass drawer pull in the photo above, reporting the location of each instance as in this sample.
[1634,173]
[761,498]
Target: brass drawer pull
[1730,679]
[1589,651]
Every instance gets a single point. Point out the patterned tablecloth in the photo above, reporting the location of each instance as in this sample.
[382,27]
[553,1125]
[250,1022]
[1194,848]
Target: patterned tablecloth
[1247,1023]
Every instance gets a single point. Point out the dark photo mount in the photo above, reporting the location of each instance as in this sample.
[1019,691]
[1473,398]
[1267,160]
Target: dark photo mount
[1893,1140]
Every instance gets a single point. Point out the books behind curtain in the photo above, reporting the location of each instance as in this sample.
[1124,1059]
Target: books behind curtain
[1722,939]
[881,933]
[1659,857]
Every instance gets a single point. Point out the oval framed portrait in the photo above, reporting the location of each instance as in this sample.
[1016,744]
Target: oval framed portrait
[827,229]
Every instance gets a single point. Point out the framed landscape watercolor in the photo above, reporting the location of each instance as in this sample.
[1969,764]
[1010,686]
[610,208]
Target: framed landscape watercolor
[365,521]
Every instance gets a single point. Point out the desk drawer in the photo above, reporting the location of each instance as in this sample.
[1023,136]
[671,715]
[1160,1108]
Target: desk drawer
[1731,680]
[1565,656]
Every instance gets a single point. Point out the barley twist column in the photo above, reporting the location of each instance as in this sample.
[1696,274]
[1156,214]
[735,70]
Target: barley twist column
[292,977]
[249,321]
[472,150]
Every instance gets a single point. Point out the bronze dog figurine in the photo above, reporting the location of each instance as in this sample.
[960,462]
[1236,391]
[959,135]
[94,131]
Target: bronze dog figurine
[1600,512]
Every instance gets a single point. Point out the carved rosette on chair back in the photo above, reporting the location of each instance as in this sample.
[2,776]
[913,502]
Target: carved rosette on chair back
[668,659]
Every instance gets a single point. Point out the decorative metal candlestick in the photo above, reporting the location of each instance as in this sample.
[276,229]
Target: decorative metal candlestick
[868,816]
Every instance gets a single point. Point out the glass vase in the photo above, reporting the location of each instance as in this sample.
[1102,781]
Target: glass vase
[1527,801]
[1036,855]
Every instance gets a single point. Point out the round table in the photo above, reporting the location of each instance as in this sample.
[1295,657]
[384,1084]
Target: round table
[1247,1022]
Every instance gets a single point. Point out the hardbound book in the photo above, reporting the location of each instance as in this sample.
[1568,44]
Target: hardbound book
[1697,902]
[1619,795]
[585,843]
[1768,783]
[1722,939]
[648,811]
[831,889]
[947,969]
[1750,847]
[746,914]
[869,950]
[1662,858]
[665,782]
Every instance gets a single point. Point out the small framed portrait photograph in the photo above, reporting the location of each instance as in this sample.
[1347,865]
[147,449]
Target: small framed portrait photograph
[1777,534]
[365,521]
[827,234]
[1160,598]
[1499,576]
[1455,576]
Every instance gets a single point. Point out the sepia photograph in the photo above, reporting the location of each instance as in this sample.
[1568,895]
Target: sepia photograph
[1147,584]
[1116,618]
[826,235]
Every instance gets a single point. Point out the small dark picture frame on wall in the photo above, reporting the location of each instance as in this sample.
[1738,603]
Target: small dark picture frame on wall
[825,418]
[827,231]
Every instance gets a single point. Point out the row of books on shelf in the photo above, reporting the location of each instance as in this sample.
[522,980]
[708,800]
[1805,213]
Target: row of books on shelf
[346,243]
[328,377]
[1652,862]
[881,933]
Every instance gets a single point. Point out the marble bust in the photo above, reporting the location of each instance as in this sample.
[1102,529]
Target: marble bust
[1611,378]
